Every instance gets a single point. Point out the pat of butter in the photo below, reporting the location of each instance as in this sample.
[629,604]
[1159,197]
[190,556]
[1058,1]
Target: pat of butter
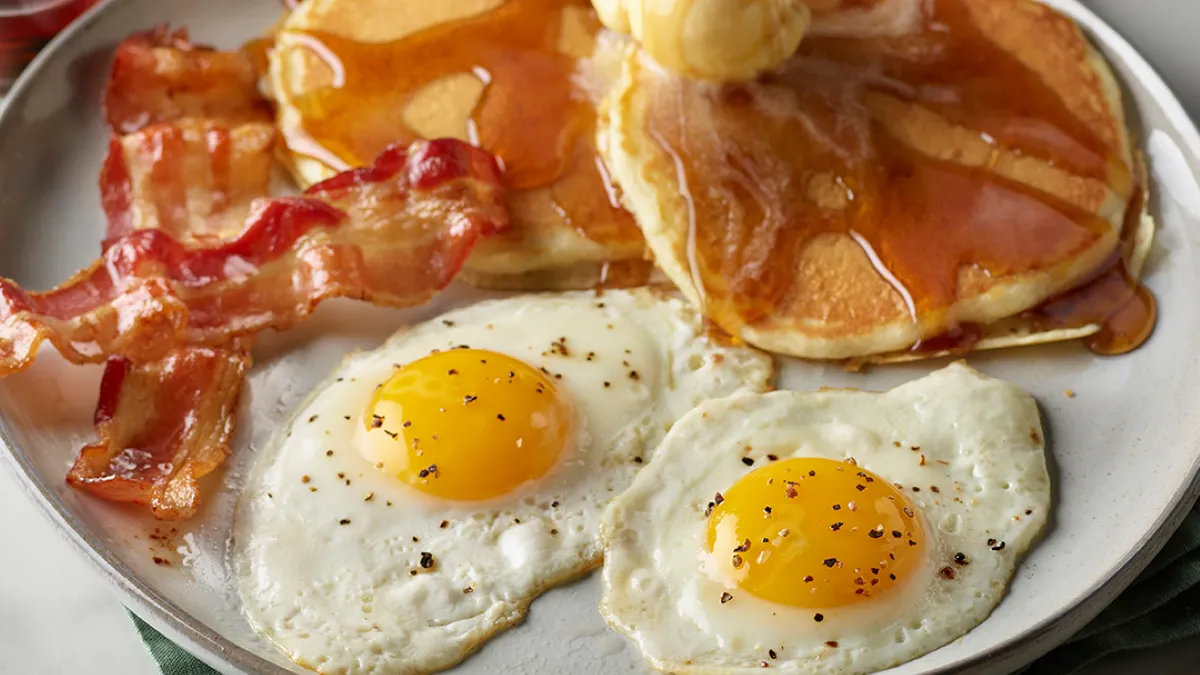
[720,40]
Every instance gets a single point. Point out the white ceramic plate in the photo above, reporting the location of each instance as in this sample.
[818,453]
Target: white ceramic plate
[1125,451]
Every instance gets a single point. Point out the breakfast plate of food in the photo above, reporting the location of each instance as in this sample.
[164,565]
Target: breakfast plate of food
[395,336]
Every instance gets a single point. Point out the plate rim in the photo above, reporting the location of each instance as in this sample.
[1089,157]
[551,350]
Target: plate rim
[215,650]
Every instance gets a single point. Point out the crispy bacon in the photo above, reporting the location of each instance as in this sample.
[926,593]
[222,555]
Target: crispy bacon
[405,227]
[163,425]
[133,301]
[193,179]
[412,219]
[109,308]
[160,76]
[191,152]
[192,142]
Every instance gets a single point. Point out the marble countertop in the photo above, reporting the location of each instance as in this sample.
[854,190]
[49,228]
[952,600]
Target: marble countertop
[58,614]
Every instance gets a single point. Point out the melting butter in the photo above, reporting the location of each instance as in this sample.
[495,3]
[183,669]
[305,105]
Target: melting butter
[720,40]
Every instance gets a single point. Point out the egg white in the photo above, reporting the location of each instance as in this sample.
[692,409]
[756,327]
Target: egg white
[966,448]
[326,546]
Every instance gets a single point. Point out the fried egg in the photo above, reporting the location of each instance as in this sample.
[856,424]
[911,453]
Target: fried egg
[832,532]
[428,491]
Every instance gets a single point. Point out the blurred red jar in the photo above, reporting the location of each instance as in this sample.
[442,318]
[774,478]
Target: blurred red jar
[26,26]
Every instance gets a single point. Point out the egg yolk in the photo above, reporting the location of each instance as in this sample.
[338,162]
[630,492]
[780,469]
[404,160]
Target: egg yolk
[467,424]
[815,533]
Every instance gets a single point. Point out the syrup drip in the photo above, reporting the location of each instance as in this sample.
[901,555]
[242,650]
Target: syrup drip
[531,115]
[624,274]
[1125,309]
[957,341]
[770,167]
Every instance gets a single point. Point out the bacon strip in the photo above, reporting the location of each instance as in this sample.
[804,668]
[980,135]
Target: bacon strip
[193,154]
[413,218]
[192,142]
[194,179]
[163,426]
[133,301]
[409,222]
[109,308]
[196,151]
[160,76]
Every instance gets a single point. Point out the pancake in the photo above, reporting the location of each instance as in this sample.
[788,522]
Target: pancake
[1086,312]
[918,173]
[352,76]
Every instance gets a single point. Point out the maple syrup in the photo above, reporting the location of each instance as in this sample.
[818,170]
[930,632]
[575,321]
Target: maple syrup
[1125,309]
[624,274]
[532,115]
[771,166]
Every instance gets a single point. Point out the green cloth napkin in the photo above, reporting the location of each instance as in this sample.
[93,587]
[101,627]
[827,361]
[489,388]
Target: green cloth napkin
[1162,606]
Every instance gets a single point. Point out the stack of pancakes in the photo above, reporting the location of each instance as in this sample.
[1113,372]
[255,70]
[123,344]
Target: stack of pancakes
[526,90]
[919,178]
